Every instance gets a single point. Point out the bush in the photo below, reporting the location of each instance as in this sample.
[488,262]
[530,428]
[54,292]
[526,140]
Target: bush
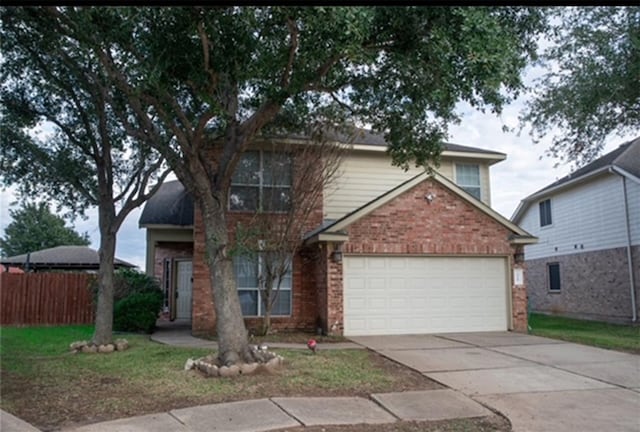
[129,281]
[138,311]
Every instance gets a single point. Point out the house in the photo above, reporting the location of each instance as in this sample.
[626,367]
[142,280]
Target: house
[60,258]
[587,261]
[388,252]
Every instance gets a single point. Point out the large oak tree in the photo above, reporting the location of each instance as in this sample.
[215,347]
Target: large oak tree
[200,84]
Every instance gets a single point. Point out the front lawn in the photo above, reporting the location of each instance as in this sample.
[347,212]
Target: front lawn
[600,334]
[43,383]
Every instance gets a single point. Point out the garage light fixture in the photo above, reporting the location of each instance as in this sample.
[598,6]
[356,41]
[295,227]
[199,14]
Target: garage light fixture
[336,255]
[430,197]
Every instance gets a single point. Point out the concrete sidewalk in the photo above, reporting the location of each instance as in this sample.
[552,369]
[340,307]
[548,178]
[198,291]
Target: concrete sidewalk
[285,412]
[262,415]
[182,337]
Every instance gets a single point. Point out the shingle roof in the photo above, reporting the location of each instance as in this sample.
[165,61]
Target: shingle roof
[366,137]
[62,257]
[625,157]
[171,205]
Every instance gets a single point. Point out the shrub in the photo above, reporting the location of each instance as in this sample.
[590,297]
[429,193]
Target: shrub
[138,311]
[129,281]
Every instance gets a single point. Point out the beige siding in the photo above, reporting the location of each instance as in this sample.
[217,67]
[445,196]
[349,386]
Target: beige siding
[365,176]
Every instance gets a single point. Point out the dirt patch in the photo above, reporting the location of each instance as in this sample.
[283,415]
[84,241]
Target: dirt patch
[492,423]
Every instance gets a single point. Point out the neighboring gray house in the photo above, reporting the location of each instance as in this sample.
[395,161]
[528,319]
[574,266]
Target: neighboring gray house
[60,258]
[587,260]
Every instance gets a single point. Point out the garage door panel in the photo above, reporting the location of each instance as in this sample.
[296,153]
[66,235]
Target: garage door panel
[401,295]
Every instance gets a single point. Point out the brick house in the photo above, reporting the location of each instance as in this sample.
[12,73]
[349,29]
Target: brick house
[587,261]
[389,251]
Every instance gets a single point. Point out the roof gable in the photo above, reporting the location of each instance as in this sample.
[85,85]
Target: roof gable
[337,227]
[624,160]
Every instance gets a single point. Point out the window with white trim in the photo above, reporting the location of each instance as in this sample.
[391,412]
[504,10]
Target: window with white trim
[468,178]
[261,182]
[248,270]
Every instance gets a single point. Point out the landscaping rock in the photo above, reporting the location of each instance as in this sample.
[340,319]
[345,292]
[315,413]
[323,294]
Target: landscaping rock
[248,368]
[190,364]
[77,346]
[121,344]
[90,349]
[212,370]
[108,348]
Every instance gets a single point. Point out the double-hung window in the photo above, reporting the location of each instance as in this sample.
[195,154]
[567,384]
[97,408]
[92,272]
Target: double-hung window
[250,273]
[545,212]
[468,178]
[261,182]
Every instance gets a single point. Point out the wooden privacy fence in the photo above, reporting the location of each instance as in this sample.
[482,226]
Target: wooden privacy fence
[45,298]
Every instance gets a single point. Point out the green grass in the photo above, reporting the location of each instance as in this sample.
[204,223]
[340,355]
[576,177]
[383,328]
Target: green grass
[600,334]
[42,382]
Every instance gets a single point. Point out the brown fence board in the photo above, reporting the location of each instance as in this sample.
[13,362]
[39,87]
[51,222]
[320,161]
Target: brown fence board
[45,299]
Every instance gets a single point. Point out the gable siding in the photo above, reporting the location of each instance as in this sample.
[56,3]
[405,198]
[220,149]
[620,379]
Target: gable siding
[364,176]
[587,217]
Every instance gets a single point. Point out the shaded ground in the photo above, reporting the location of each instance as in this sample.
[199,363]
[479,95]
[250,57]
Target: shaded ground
[50,388]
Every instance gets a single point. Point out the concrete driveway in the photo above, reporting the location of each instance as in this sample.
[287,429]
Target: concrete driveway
[540,384]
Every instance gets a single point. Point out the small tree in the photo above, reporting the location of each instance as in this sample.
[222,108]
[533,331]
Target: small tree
[34,227]
[272,240]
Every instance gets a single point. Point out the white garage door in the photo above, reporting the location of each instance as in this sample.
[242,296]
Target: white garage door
[413,295]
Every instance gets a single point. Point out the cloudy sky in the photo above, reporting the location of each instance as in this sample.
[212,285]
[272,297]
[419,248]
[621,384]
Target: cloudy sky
[525,170]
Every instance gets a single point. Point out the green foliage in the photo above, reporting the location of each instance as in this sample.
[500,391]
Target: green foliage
[34,227]
[137,312]
[591,87]
[596,333]
[130,281]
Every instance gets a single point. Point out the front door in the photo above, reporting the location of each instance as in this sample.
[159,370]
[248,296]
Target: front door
[183,290]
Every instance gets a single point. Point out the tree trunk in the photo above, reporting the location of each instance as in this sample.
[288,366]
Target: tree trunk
[104,311]
[267,301]
[233,343]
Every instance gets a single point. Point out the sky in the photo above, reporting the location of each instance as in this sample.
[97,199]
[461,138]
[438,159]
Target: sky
[524,171]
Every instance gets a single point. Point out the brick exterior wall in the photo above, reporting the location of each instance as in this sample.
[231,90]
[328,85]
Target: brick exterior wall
[410,225]
[304,308]
[406,225]
[175,250]
[593,285]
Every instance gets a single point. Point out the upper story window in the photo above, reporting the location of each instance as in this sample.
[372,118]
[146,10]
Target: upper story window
[545,212]
[468,178]
[261,182]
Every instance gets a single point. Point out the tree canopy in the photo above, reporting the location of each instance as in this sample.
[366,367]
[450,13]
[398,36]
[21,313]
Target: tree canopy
[34,227]
[591,88]
[63,136]
[200,84]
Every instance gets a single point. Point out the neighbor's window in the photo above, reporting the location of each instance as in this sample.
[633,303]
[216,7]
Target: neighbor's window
[554,276]
[261,182]
[248,270]
[545,212]
[468,178]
